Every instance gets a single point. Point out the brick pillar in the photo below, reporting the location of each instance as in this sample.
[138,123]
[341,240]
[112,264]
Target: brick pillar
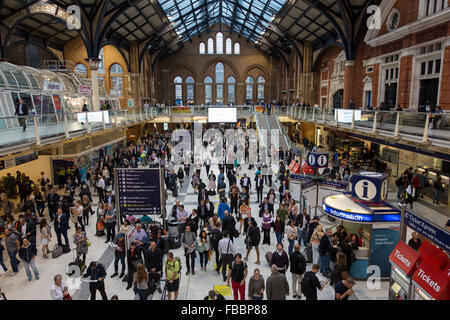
[404,81]
[444,98]
[348,83]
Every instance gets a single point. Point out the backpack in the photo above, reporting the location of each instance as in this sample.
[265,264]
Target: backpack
[302,264]
[177,259]
[306,284]
[215,236]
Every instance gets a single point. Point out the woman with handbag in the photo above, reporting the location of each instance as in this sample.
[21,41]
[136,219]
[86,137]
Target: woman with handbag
[59,290]
[81,242]
[202,248]
[315,242]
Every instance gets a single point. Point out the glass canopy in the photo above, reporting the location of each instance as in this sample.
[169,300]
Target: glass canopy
[247,17]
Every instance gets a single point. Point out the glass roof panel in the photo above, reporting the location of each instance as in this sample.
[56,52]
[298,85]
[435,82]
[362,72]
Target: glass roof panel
[238,13]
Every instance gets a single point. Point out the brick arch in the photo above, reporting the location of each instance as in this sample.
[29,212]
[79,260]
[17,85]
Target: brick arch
[180,68]
[226,63]
[254,66]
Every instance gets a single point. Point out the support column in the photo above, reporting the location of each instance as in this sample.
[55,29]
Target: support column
[307,75]
[404,81]
[135,76]
[444,96]
[93,66]
[348,82]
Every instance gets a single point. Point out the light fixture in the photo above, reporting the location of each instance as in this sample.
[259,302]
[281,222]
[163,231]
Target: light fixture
[272,18]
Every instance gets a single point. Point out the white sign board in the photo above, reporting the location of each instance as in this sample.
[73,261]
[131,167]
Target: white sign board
[345,115]
[295,190]
[219,115]
[95,116]
[53,86]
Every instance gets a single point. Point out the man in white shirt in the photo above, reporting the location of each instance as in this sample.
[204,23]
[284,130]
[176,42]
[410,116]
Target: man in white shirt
[101,189]
[226,252]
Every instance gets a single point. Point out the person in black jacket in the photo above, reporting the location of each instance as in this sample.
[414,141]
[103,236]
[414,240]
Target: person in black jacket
[228,224]
[253,239]
[22,112]
[97,273]
[61,225]
[203,214]
[85,191]
[153,262]
[27,253]
[30,230]
[311,283]
[298,268]
[134,257]
[325,252]
[53,203]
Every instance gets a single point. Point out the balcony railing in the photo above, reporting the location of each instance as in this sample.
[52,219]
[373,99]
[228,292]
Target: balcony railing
[48,128]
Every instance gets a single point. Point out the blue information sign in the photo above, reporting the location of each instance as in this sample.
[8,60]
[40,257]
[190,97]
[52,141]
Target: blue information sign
[428,230]
[317,159]
[139,191]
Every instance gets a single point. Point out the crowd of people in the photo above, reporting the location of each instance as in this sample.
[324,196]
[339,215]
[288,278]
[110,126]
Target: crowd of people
[205,231]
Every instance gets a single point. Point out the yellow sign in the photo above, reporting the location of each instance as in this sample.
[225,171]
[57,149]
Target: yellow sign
[215,267]
[223,290]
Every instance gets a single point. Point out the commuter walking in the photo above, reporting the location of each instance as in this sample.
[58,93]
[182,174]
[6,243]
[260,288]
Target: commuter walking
[277,286]
[238,273]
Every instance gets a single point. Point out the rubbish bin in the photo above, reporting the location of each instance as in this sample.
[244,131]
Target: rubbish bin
[166,244]
[172,228]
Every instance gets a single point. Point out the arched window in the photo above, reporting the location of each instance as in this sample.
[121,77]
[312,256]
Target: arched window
[260,81]
[228,46]
[210,46]
[219,43]
[237,48]
[190,89]
[231,82]
[249,88]
[220,78]
[115,73]
[201,48]
[178,90]
[32,55]
[208,90]
[80,69]
[101,65]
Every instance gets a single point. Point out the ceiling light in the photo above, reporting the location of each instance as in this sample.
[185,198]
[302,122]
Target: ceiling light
[272,18]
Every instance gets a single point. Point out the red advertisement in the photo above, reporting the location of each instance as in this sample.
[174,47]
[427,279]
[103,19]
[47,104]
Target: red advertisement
[57,103]
[405,258]
[307,169]
[432,280]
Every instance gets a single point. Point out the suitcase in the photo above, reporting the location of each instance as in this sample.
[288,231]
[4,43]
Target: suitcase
[57,251]
[174,243]
[308,255]
[100,229]
[268,256]
[75,265]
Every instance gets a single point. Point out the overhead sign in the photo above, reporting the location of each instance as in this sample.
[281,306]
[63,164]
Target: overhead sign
[26,158]
[94,116]
[361,218]
[370,186]
[317,159]
[84,89]
[404,257]
[139,191]
[428,230]
[53,86]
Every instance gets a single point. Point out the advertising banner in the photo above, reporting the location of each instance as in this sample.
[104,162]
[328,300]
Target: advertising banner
[139,191]
[382,243]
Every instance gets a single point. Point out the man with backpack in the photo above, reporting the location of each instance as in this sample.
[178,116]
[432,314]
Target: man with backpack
[311,283]
[298,268]
[188,240]
[172,270]
[226,251]
[237,273]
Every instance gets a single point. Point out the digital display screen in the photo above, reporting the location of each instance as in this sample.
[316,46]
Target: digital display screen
[219,115]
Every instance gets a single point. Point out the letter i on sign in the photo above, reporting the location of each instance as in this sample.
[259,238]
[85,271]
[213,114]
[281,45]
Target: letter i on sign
[365,189]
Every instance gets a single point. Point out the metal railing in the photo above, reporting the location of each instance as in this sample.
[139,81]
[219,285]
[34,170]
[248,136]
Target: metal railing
[46,128]
[421,127]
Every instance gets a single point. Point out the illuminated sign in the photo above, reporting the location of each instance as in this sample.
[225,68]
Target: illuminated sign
[362,218]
